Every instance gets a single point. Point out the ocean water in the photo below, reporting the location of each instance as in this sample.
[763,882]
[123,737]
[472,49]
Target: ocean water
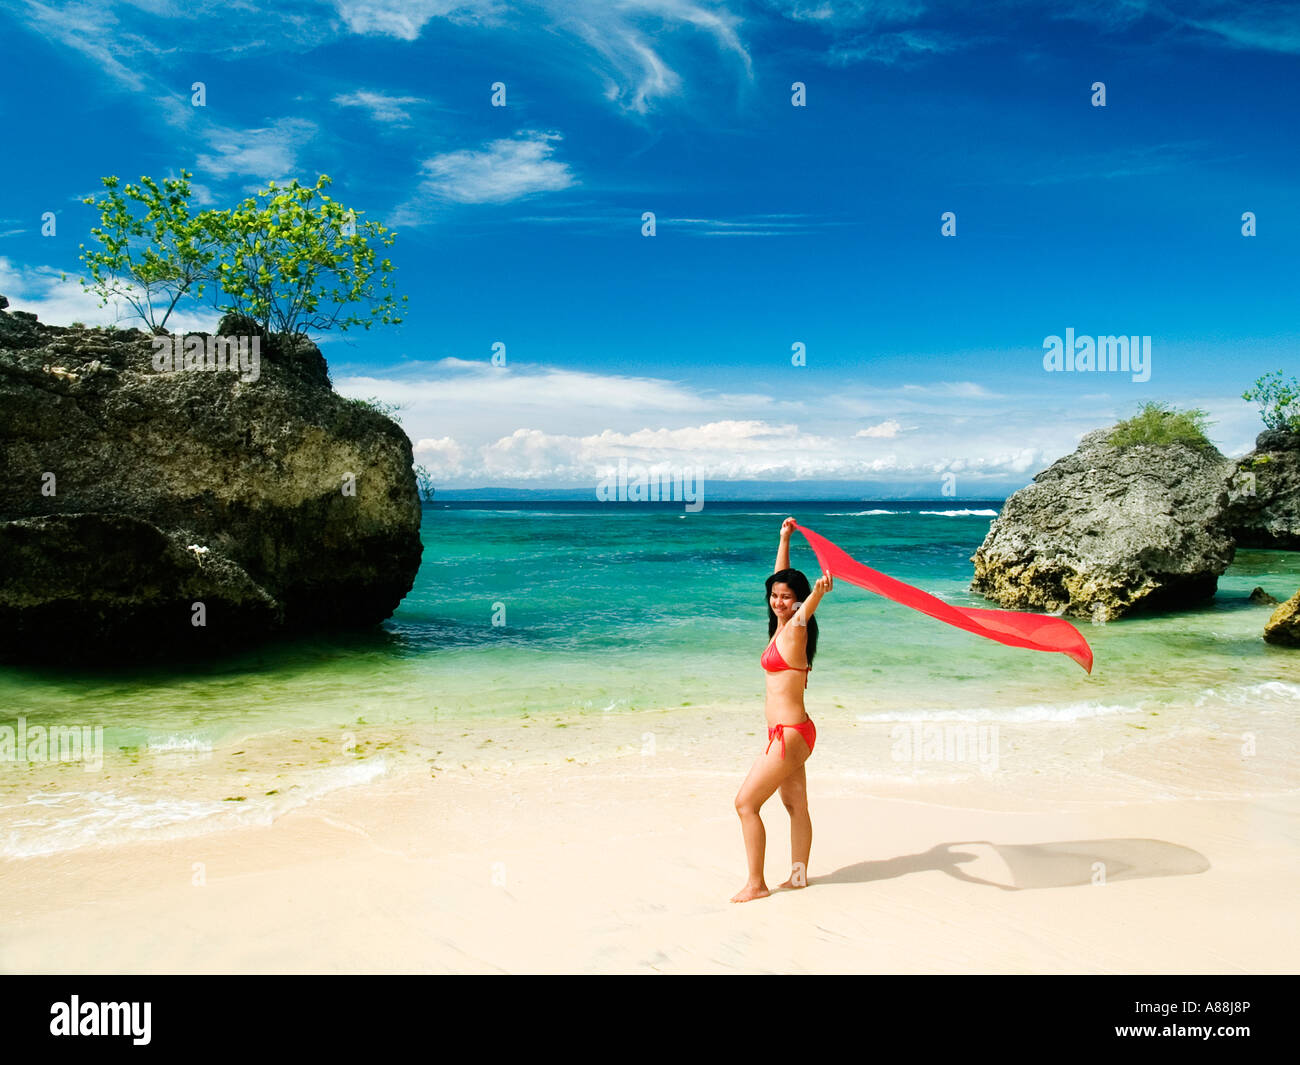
[561,612]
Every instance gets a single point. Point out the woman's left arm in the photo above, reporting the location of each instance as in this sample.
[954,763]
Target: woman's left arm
[806,608]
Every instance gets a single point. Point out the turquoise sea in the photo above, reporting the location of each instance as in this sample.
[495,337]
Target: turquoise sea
[563,610]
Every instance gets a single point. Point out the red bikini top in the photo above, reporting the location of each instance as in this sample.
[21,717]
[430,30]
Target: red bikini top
[772,661]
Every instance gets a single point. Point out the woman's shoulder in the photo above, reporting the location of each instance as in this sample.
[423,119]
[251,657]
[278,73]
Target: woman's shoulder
[794,630]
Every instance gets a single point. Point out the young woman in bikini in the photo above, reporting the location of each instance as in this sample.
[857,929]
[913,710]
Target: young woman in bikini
[790,623]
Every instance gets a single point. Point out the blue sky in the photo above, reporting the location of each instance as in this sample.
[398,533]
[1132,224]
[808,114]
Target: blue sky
[776,224]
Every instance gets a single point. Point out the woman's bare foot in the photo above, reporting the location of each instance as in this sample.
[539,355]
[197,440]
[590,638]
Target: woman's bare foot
[750,891]
[798,877]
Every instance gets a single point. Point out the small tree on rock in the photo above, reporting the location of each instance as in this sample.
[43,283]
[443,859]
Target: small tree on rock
[1278,399]
[296,261]
[156,251]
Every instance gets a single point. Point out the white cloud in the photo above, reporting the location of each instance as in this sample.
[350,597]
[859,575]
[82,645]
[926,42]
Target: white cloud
[443,453]
[506,169]
[477,424]
[383,108]
[40,290]
[404,19]
[502,171]
[268,153]
[889,428]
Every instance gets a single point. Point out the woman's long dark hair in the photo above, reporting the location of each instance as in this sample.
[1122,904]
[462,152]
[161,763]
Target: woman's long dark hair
[802,589]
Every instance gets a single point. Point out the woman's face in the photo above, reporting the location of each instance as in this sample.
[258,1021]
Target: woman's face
[782,600]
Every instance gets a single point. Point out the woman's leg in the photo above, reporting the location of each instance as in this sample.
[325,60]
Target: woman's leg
[765,776]
[794,794]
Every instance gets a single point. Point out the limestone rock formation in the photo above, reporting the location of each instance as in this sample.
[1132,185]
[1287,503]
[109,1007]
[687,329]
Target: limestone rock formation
[129,494]
[1106,531]
[1265,493]
[1283,627]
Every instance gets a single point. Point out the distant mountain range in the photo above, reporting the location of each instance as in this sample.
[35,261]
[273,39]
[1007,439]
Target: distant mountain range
[751,491]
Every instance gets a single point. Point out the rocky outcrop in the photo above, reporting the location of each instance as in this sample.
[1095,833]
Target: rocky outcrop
[1265,493]
[159,513]
[1283,626]
[1106,531]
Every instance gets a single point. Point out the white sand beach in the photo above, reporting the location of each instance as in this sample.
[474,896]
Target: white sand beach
[625,862]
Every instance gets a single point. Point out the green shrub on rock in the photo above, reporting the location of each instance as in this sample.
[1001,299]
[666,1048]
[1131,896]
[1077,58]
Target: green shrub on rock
[1159,424]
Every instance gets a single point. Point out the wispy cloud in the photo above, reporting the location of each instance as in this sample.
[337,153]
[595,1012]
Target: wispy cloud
[94,31]
[502,171]
[1140,160]
[758,225]
[959,389]
[405,19]
[391,110]
[634,68]
[268,153]
[1275,28]
[1256,25]
[906,32]
[131,40]
[627,38]
[899,47]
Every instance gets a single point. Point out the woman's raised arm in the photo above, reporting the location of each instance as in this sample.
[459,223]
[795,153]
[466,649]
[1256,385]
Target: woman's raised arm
[806,608]
[783,548]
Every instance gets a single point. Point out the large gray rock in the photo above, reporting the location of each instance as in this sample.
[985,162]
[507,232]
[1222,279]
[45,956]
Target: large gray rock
[127,495]
[1265,506]
[1106,531]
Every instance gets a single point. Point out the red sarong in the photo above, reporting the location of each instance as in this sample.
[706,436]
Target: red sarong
[1038,632]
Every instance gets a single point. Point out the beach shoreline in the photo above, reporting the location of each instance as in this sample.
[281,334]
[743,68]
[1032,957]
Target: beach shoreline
[622,859]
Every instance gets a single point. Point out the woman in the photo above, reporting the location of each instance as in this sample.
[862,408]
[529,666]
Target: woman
[787,660]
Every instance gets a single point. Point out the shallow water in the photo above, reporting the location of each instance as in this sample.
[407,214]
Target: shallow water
[562,612]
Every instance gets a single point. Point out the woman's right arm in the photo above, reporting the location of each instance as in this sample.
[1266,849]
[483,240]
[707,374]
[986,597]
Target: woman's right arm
[783,549]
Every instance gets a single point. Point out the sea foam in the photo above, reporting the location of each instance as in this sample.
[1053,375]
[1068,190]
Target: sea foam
[54,822]
[1027,713]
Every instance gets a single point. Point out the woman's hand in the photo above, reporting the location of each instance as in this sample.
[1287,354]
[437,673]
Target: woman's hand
[787,527]
[824,583]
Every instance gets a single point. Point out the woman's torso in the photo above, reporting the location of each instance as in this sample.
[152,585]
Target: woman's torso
[785,688]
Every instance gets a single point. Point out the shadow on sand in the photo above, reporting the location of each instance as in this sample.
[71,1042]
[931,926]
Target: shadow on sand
[1070,863]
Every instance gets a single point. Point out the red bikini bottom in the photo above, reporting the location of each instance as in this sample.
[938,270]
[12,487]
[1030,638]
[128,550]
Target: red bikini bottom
[807,730]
